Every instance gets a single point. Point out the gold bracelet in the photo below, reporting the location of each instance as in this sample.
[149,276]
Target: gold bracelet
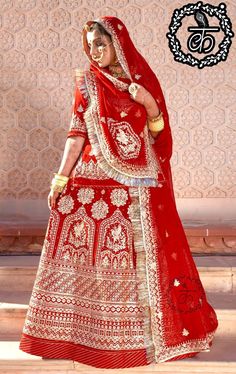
[157,125]
[59,183]
[55,187]
[155,118]
[61,177]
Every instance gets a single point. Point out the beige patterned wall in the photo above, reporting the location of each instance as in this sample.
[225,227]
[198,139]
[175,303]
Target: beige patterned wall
[40,47]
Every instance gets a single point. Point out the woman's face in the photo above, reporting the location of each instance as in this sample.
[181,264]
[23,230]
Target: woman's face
[101,48]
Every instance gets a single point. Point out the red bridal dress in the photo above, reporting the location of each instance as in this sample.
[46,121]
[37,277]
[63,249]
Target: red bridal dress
[116,285]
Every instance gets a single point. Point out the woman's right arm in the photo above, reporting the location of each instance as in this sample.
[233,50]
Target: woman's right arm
[72,150]
[75,137]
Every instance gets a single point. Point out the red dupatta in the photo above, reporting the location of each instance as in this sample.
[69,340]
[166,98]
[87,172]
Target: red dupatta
[121,141]
[182,321]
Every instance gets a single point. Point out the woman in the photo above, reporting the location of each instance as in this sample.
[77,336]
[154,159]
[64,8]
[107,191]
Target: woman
[116,285]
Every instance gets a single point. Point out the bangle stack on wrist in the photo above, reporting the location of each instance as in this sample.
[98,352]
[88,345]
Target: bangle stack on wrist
[58,183]
[156,124]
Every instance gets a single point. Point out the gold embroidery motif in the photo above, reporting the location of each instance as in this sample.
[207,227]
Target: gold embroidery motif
[89,170]
[119,196]
[77,298]
[185,332]
[80,108]
[66,204]
[141,265]
[80,80]
[116,240]
[99,209]
[85,195]
[176,283]
[115,243]
[77,238]
[127,142]
[77,124]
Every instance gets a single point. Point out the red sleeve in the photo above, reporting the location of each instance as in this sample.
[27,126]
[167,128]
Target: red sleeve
[80,104]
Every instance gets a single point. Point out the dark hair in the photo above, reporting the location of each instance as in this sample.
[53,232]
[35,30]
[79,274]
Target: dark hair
[98,27]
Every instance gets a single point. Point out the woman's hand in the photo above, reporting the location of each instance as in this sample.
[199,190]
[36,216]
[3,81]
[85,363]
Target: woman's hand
[140,95]
[52,197]
[73,147]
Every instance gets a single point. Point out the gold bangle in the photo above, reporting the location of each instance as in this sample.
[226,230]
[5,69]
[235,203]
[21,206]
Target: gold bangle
[157,125]
[60,179]
[59,183]
[60,176]
[56,188]
[155,118]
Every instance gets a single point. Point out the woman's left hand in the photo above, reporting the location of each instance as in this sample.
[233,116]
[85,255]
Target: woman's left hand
[142,96]
[139,94]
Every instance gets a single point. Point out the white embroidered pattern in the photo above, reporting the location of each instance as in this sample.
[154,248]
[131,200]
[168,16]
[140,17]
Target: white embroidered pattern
[185,332]
[114,248]
[66,204]
[127,142]
[119,197]
[99,209]
[176,283]
[77,124]
[119,84]
[116,240]
[80,108]
[85,195]
[76,239]
[80,79]
[89,170]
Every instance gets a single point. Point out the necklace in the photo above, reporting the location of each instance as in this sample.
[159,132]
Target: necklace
[117,71]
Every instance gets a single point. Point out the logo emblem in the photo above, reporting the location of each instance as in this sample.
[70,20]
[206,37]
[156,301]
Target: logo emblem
[202,38]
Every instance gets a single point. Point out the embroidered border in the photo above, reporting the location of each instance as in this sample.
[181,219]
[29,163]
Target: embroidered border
[141,264]
[77,124]
[162,351]
[90,170]
[50,237]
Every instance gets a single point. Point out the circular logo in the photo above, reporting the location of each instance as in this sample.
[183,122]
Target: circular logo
[201,34]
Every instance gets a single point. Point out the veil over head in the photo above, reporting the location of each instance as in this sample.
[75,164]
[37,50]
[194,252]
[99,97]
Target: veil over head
[115,104]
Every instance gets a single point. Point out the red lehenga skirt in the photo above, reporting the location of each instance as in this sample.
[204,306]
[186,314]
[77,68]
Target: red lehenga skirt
[116,285]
